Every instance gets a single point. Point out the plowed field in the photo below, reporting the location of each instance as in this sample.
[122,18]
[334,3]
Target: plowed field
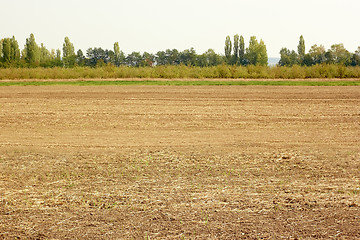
[177,162]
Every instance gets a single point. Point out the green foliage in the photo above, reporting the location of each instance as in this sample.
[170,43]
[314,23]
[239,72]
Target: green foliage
[15,50]
[210,58]
[235,55]
[256,53]
[235,58]
[6,50]
[317,54]
[301,50]
[228,48]
[32,50]
[68,48]
[80,58]
[10,52]
[355,59]
[287,57]
[69,57]
[1,49]
[119,56]
[242,51]
[338,55]
[188,57]
[109,71]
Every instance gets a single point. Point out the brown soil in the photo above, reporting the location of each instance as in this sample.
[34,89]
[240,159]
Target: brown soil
[157,162]
[185,79]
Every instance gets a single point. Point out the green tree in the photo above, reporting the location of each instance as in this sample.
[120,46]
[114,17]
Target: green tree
[10,52]
[172,57]
[6,50]
[355,60]
[98,57]
[212,59]
[148,59]
[45,57]
[317,54]
[242,51]
[263,56]
[69,56]
[228,49]
[80,58]
[1,53]
[188,57]
[287,57]
[256,53]
[134,59]
[119,56]
[301,50]
[32,51]
[15,50]
[56,58]
[235,59]
[338,55]
[160,58]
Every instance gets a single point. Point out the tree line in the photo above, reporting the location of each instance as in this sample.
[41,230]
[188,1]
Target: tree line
[337,54]
[34,55]
[235,53]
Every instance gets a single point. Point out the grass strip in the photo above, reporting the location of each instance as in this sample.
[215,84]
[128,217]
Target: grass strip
[183,83]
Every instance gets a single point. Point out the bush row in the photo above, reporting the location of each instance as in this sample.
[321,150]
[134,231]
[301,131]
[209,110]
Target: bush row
[171,72]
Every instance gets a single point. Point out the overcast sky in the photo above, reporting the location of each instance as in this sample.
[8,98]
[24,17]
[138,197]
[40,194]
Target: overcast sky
[153,25]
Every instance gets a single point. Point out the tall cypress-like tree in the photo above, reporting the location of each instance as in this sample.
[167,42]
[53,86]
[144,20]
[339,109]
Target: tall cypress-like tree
[1,53]
[68,48]
[263,57]
[15,50]
[10,52]
[301,50]
[119,55]
[32,50]
[242,51]
[228,48]
[236,49]
[45,56]
[69,56]
[6,50]
[58,54]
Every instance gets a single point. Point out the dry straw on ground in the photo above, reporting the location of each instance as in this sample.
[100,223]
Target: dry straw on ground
[163,162]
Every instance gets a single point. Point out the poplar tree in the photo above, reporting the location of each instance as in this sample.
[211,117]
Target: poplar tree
[119,55]
[32,50]
[301,50]
[228,48]
[68,48]
[6,50]
[242,51]
[58,54]
[236,49]
[262,51]
[10,52]
[68,53]
[1,53]
[15,50]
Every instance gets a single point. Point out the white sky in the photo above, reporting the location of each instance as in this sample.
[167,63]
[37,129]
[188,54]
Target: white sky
[153,25]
